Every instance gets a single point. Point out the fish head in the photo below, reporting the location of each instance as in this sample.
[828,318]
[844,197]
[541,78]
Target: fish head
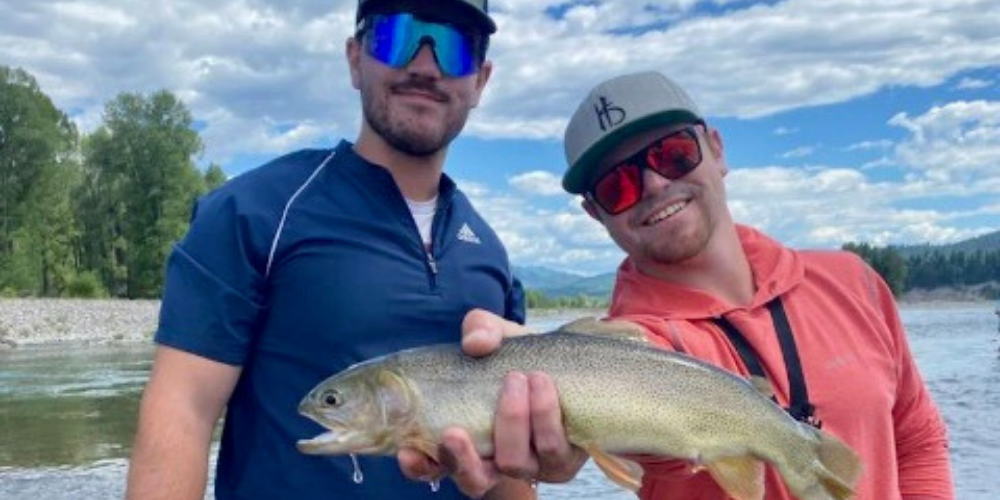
[364,409]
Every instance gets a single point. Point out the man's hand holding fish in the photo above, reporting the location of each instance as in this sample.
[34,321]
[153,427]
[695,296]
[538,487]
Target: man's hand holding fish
[529,438]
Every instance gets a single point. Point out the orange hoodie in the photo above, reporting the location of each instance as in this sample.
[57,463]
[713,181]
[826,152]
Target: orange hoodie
[855,359]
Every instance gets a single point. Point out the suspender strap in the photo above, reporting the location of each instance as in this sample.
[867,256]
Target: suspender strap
[743,348]
[800,408]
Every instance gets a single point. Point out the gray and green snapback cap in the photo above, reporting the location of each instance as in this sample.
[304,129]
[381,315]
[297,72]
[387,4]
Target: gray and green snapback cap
[462,12]
[614,110]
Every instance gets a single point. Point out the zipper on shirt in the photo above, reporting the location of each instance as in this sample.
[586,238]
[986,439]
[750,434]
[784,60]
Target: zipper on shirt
[433,265]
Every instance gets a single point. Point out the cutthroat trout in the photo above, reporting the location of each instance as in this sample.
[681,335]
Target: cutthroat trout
[618,397]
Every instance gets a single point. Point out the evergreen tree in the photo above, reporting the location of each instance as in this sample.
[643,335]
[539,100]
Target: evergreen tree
[38,168]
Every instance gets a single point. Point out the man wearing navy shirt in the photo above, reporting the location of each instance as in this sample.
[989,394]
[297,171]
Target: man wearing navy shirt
[320,259]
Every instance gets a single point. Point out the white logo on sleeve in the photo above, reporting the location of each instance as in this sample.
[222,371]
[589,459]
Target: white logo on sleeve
[465,234]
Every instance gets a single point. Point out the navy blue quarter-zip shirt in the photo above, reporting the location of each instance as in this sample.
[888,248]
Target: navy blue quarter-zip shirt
[301,268]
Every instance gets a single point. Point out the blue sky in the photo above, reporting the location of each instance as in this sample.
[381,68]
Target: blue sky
[843,120]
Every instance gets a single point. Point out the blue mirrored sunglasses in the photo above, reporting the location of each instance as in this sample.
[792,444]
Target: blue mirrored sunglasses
[395,40]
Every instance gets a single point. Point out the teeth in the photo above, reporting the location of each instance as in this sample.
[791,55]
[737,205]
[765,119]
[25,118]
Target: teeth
[666,212]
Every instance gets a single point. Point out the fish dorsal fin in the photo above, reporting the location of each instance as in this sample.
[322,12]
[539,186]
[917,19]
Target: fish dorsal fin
[616,328]
[624,473]
[741,477]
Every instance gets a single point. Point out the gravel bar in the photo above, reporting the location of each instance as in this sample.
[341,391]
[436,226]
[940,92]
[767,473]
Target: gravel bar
[52,321]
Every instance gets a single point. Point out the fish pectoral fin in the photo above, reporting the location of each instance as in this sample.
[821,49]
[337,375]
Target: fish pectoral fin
[617,328]
[623,472]
[423,445]
[763,386]
[741,477]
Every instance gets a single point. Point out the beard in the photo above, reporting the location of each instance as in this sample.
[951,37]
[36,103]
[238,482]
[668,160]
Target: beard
[670,246]
[405,133]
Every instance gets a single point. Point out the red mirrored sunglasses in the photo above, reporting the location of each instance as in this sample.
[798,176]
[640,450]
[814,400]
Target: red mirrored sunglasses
[673,156]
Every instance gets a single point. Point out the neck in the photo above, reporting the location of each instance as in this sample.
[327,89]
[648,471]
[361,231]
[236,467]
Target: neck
[418,177]
[721,270]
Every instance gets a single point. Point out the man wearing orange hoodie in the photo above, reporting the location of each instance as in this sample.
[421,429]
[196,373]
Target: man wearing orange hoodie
[821,326]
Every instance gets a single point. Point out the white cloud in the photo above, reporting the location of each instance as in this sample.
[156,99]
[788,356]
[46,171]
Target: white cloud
[800,152]
[538,182]
[973,84]
[954,143]
[265,77]
[870,145]
[281,61]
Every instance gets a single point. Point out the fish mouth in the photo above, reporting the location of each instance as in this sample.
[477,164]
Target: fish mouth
[339,438]
[328,443]
[340,443]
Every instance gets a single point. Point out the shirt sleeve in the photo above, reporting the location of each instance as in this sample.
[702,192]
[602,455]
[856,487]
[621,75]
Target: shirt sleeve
[921,436]
[213,291]
[516,307]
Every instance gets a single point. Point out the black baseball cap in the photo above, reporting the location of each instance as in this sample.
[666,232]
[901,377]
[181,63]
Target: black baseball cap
[473,13]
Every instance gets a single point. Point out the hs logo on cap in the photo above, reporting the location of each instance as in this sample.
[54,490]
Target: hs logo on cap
[608,115]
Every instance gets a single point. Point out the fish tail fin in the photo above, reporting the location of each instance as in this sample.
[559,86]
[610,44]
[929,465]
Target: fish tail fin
[741,477]
[841,465]
[624,473]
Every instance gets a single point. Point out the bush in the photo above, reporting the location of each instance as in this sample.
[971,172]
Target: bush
[86,285]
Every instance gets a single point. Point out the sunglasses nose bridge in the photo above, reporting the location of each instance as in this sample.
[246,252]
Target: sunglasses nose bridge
[652,178]
[424,57]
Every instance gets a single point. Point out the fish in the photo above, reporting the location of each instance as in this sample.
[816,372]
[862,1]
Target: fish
[620,399]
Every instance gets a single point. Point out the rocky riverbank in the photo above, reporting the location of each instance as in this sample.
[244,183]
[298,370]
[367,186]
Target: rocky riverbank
[52,321]
[25,322]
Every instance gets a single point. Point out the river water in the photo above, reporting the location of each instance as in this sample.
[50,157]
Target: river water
[67,412]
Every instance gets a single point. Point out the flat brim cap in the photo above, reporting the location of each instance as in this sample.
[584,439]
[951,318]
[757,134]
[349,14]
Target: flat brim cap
[613,111]
[473,13]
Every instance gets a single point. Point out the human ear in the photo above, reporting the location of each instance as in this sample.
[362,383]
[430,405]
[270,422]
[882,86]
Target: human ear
[591,208]
[482,76]
[352,49]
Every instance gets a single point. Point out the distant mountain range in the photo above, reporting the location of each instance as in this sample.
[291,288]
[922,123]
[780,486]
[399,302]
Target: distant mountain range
[555,283]
[989,242]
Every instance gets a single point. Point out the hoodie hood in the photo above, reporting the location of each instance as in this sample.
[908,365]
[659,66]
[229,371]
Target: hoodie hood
[776,270]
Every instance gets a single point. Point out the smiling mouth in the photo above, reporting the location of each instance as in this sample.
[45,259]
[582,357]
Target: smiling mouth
[666,213]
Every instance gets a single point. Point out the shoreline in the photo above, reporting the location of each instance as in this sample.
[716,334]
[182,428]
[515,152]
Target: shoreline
[37,322]
[28,322]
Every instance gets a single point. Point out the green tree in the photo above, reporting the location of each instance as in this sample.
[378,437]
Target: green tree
[214,177]
[887,262]
[139,184]
[891,265]
[38,168]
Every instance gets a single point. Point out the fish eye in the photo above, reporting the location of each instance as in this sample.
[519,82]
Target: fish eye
[332,397]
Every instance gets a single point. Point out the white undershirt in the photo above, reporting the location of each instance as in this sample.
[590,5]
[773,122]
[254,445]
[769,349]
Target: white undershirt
[423,215]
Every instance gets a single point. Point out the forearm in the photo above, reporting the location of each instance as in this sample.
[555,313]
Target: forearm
[168,463]
[180,407]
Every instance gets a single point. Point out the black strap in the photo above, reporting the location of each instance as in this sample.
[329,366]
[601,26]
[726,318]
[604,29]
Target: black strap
[743,347]
[800,408]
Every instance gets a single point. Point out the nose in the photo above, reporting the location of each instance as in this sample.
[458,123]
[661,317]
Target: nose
[424,62]
[653,181]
